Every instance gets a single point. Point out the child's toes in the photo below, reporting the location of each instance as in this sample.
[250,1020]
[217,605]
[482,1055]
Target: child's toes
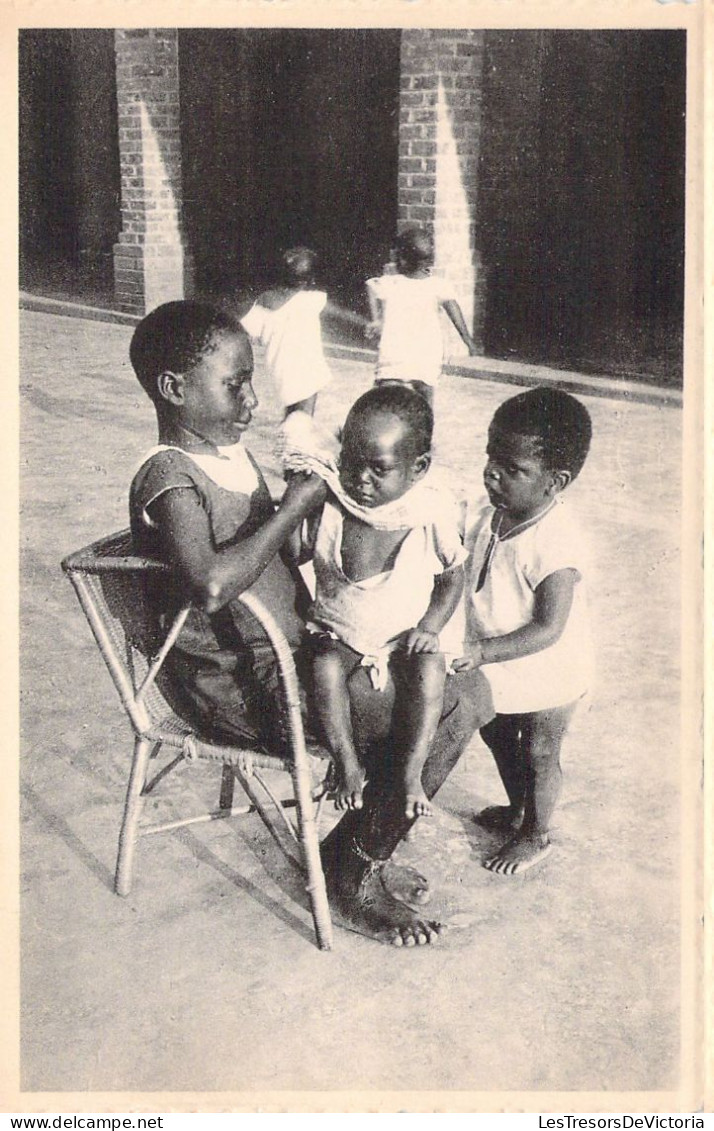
[417,806]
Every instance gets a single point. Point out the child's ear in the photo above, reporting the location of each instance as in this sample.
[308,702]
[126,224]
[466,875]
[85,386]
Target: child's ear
[170,386]
[421,465]
[561,479]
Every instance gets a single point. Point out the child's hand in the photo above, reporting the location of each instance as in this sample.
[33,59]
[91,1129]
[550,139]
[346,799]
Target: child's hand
[373,330]
[305,492]
[472,659]
[420,640]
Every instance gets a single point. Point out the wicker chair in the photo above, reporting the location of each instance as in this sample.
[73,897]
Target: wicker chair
[109,581]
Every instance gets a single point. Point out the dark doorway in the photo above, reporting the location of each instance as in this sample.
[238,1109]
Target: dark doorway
[289,136]
[69,200]
[582,199]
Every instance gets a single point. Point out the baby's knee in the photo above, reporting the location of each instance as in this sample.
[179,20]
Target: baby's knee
[428,669]
[547,730]
[543,747]
[543,753]
[329,668]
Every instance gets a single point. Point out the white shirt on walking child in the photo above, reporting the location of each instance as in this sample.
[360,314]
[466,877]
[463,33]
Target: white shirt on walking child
[411,345]
[292,336]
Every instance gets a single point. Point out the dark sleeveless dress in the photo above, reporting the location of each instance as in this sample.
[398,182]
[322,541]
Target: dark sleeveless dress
[221,674]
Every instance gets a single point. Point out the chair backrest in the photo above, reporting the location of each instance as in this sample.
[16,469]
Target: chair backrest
[111,584]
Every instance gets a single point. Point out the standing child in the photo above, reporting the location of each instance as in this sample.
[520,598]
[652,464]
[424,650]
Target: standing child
[388,563]
[526,615]
[286,320]
[405,307]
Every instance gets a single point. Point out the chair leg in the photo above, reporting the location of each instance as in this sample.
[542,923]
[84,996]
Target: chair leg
[228,781]
[310,846]
[132,811]
[266,815]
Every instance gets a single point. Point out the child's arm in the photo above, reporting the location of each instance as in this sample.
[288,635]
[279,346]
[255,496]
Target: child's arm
[376,307]
[553,601]
[300,546]
[214,577]
[445,596]
[292,547]
[453,310]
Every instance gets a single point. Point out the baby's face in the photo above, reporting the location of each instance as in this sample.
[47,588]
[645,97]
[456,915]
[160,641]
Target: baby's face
[377,461]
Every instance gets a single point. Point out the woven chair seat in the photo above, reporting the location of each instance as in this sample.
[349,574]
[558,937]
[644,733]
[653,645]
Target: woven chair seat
[111,585]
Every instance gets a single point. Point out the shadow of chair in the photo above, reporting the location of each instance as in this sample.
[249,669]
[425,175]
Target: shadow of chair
[111,582]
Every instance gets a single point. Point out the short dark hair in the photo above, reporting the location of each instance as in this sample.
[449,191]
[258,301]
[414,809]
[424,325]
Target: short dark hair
[559,424]
[403,402]
[415,247]
[175,336]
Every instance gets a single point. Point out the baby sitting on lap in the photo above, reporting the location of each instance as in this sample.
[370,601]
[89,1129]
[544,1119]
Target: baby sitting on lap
[388,560]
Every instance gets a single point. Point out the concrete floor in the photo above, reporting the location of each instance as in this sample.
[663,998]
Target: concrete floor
[206,978]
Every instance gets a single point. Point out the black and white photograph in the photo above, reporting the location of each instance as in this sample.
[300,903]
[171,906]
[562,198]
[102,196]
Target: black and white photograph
[328,802]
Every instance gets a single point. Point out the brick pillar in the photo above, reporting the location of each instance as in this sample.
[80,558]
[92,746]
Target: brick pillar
[439,137]
[151,265]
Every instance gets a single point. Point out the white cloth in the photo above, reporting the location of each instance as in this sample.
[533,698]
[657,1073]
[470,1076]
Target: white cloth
[411,345]
[368,614]
[561,673]
[303,446]
[292,336]
[231,469]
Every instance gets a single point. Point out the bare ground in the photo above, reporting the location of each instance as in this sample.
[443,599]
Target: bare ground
[206,978]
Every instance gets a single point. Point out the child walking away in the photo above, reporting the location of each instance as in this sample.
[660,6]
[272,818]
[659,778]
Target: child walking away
[526,615]
[405,309]
[286,320]
[388,562]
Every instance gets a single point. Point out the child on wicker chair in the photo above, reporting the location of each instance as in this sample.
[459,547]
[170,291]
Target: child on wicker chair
[200,502]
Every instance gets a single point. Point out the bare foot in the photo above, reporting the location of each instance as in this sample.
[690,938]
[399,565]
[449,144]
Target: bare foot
[405,883]
[519,854]
[417,802]
[348,788]
[417,806]
[499,819]
[367,908]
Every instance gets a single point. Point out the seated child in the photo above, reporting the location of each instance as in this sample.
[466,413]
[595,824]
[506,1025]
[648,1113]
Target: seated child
[405,307]
[199,502]
[388,557]
[286,320]
[526,615]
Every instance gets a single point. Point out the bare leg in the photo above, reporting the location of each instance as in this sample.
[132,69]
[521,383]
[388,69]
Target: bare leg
[333,662]
[427,673]
[354,884]
[543,734]
[503,736]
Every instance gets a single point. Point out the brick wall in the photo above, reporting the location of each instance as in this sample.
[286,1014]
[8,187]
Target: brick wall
[439,139]
[150,261]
